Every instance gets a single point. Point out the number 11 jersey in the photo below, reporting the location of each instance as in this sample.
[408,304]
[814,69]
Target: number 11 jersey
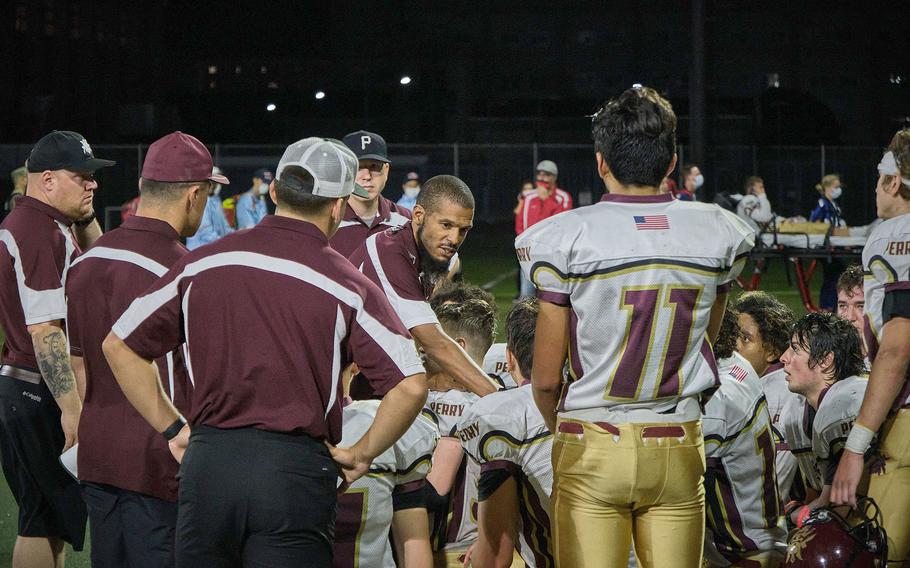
[639,275]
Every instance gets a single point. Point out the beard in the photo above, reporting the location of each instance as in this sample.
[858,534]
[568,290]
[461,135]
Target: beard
[431,268]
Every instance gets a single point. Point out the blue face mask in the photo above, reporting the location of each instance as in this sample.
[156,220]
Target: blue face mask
[699,181]
[836,192]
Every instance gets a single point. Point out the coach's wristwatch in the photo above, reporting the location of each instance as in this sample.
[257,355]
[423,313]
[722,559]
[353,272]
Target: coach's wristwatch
[174,429]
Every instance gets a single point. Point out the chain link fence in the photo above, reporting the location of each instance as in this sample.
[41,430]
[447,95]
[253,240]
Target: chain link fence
[495,172]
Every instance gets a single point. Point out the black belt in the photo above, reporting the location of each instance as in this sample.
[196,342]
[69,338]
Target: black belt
[21,374]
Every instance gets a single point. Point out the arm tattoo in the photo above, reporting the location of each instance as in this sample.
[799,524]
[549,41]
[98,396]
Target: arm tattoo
[54,361]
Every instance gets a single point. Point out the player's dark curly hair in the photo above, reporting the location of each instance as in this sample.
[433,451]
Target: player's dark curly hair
[850,279]
[822,333]
[773,318]
[728,335]
[635,134]
[520,326]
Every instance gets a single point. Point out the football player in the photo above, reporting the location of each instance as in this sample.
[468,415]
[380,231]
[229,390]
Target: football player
[633,288]
[743,506]
[505,433]
[389,496]
[851,300]
[765,324]
[886,259]
[823,364]
[452,491]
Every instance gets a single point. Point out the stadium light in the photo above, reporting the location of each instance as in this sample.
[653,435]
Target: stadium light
[405,80]
[270,107]
[320,95]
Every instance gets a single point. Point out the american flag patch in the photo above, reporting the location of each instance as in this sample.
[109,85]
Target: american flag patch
[651,222]
[738,373]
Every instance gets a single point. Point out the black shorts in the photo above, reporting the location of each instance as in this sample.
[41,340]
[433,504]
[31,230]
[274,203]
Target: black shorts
[255,498]
[129,528]
[49,499]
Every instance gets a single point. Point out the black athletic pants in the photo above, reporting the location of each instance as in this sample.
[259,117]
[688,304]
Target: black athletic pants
[254,498]
[129,530]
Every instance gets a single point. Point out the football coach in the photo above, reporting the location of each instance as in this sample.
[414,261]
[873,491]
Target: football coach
[258,480]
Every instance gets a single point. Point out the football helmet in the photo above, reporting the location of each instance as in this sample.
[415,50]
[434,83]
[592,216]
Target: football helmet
[827,539]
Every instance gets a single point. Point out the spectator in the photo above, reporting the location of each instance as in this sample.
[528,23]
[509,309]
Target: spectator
[827,211]
[535,206]
[214,223]
[19,176]
[250,206]
[129,208]
[692,182]
[410,189]
[753,206]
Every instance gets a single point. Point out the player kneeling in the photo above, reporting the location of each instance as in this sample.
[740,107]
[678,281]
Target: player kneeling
[823,364]
[389,496]
[505,433]
[742,502]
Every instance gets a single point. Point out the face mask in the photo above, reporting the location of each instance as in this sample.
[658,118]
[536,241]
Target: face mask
[836,192]
[411,191]
[263,188]
[699,181]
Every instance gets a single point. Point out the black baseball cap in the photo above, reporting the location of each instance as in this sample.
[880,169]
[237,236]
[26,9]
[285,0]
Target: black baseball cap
[64,150]
[367,146]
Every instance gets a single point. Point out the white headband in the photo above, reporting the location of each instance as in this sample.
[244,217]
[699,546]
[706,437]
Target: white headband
[888,167]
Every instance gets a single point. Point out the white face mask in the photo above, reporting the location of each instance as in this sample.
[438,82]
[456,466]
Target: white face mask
[836,192]
[411,191]
[217,191]
[699,181]
[263,188]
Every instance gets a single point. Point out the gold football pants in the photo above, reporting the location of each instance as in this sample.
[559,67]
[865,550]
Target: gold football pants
[618,484]
[891,489]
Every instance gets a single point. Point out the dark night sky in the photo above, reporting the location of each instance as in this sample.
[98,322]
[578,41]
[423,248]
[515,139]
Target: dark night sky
[495,71]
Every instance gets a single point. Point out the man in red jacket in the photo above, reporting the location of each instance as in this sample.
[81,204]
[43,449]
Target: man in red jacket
[544,201]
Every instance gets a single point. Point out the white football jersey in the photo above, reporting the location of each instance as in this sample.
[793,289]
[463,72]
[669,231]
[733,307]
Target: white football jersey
[886,262]
[742,502]
[446,408]
[365,510]
[781,402]
[837,411]
[640,274]
[504,431]
[495,365]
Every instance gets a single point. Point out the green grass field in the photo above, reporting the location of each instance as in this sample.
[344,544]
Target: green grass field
[487,256]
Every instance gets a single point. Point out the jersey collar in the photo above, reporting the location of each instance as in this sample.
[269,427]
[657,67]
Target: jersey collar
[32,203]
[658,198]
[137,223]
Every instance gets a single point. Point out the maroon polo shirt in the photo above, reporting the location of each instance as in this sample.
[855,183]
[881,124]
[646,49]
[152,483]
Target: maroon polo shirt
[116,445]
[36,248]
[392,261]
[352,231]
[271,317]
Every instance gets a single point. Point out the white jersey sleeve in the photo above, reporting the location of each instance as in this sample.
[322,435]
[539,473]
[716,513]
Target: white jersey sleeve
[797,429]
[886,262]
[742,501]
[413,457]
[837,411]
[505,433]
[640,274]
[496,366]
[778,395]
